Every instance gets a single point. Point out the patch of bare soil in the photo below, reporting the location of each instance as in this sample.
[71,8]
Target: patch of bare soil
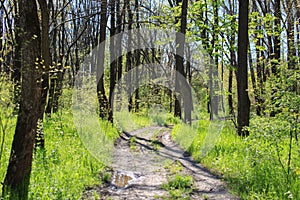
[147,159]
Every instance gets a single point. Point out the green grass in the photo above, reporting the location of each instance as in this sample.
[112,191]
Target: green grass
[125,121]
[66,168]
[250,165]
[179,186]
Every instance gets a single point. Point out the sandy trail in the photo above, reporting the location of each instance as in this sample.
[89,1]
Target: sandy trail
[145,159]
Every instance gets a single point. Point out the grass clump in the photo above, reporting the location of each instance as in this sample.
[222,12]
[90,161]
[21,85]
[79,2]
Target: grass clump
[179,186]
[132,143]
[264,165]
[172,166]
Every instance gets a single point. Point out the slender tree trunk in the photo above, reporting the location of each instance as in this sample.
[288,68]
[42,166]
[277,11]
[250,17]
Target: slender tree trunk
[277,44]
[254,84]
[180,69]
[290,36]
[129,54]
[230,99]
[233,66]
[60,67]
[16,72]
[214,73]
[119,45]
[16,181]
[113,65]
[242,71]
[52,73]
[46,59]
[137,54]
[102,99]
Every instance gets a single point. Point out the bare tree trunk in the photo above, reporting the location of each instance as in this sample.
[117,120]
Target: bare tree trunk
[60,68]
[113,63]
[137,54]
[129,54]
[242,71]
[214,73]
[290,36]
[254,84]
[16,72]
[179,89]
[233,64]
[102,99]
[18,172]
[45,50]
[119,45]
[277,43]
[277,11]
[52,74]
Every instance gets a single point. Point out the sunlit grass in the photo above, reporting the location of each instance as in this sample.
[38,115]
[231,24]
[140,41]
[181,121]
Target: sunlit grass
[251,169]
[66,167]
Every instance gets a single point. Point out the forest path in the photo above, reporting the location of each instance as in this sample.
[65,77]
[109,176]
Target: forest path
[146,159]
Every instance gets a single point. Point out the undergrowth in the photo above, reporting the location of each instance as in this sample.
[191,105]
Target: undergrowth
[65,168]
[255,167]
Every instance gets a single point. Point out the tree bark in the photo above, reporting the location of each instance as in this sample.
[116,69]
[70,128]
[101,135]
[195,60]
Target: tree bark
[16,72]
[113,63]
[180,70]
[102,99]
[129,54]
[214,97]
[242,71]
[18,172]
[119,44]
[277,11]
[46,59]
[52,75]
[137,56]
[290,36]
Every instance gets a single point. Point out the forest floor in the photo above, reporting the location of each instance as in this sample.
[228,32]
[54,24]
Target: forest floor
[145,163]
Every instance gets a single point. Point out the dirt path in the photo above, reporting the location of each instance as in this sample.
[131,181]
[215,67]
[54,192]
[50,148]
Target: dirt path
[145,160]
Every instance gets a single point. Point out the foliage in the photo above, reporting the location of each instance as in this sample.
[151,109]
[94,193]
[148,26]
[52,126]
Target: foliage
[251,166]
[7,122]
[179,186]
[132,143]
[65,168]
[173,167]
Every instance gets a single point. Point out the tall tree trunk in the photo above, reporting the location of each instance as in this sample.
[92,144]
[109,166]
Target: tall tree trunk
[45,50]
[242,71]
[119,44]
[290,36]
[113,63]
[16,181]
[277,44]
[213,71]
[52,75]
[137,54]
[233,65]
[179,89]
[16,72]
[102,99]
[60,67]
[254,84]
[129,54]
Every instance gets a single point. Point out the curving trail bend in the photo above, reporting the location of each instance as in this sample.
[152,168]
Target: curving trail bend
[145,159]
